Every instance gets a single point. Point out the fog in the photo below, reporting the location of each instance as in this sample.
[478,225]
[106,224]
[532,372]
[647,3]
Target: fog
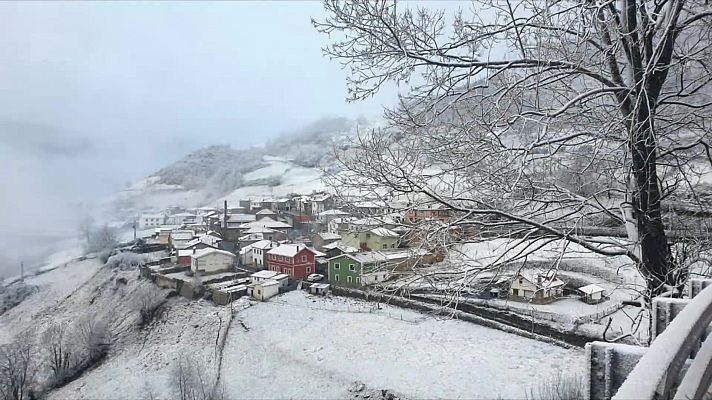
[94,95]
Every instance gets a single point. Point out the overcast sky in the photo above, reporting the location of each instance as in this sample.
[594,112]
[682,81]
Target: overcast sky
[96,94]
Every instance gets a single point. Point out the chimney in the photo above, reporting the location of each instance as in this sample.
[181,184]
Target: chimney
[225,215]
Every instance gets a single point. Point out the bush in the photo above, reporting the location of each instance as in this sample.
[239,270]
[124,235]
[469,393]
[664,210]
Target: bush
[558,387]
[146,301]
[94,336]
[14,294]
[192,382]
[126,260]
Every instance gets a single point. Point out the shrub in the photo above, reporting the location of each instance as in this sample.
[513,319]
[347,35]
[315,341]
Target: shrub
[147,299]
[558,387]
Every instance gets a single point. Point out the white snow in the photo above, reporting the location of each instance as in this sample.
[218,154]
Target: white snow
[53,286]
[300,346]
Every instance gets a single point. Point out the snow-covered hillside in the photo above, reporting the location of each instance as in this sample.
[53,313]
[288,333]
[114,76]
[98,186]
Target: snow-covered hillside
[292,163]
[293,346]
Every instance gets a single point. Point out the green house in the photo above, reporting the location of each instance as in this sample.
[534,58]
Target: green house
[373,267]
[357,269]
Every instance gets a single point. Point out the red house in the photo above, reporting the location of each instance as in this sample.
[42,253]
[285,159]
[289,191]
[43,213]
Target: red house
[295,260]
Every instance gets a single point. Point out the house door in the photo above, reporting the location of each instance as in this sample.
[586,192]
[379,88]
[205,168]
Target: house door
[515,292]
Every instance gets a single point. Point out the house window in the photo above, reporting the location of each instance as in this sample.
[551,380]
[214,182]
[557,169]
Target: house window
[349,279]
[352,267]
[393,246]
[308,270]
[304,258]
[385,246]
[281,258]
[336,277]
[337,266]
[358,279]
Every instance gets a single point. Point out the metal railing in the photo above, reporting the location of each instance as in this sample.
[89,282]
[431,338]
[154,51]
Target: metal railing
[663,370]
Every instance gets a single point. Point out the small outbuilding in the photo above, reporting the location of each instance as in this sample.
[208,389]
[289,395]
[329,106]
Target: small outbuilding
[319,289]
[263,290]
[592,294]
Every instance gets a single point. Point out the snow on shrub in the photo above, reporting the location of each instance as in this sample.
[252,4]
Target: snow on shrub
[126,260]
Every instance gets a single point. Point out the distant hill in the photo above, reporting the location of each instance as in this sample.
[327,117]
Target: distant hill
[290,163]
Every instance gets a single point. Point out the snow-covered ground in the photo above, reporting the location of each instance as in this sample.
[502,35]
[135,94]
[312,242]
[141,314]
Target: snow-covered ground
[54,286]
[301,346]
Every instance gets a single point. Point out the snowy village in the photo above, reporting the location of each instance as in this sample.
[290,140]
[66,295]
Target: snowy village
[361,200]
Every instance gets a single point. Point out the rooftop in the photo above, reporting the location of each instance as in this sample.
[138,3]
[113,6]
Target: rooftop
[266,222]
[265,211]
[205,252]
[329,236]
[265,274]
[590,289]
[384,232]
[289,250]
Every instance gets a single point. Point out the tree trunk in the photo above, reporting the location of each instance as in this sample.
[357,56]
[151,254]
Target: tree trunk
[656,261]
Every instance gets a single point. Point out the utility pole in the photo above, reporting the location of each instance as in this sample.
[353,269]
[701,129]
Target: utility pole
[22,271]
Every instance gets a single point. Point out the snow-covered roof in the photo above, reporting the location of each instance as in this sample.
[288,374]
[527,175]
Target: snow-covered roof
[182,235]
[289,250]
[548,278]
[266,222]
[383,232]
[209,240]
[378,256]
[260,229]
[265,211]
[316,252]
[244,218]
[279,277]
[332,212]
[267,282]
[204,252]
[183,253]
[340,246]
[265,274]
[320,285]
[329,236]
[591,289]
[262,244]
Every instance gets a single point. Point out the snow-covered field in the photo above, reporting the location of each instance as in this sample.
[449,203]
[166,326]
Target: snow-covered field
[300,346]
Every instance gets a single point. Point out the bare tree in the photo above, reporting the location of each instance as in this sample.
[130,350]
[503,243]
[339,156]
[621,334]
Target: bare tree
[17,370]
[146,301]
[192,382]
[94,335]
[60,353]
[502,98]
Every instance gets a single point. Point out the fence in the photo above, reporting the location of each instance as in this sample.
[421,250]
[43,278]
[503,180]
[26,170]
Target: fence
[679,330]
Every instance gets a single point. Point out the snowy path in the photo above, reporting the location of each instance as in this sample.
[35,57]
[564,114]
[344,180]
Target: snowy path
[298,346]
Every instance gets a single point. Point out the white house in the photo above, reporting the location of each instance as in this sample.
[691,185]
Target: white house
[263,290]
[211,260]
[181,218]
[258,252]
[592,293]
[151,221]
[180,238]
[537,286]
